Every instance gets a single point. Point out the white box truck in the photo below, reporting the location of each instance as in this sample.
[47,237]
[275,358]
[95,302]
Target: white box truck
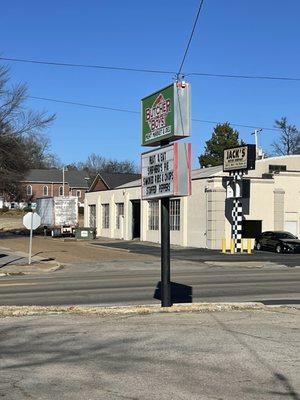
[59,215]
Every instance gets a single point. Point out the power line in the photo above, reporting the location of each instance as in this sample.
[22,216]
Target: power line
[233,124]
[84,104]
[151,71]
[95,66]
[190,39]
[137,112]
[281,78]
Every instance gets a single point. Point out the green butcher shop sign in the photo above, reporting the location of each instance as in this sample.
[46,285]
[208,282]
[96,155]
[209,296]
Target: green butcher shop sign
[166,114]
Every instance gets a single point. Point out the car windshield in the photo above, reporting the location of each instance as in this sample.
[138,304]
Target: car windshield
[285,235]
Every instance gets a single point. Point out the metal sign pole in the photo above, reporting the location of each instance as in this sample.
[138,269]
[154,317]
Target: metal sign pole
[165,248]
[30,239]
[165,253]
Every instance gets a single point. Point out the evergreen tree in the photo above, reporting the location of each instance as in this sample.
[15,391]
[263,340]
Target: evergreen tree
[223,137]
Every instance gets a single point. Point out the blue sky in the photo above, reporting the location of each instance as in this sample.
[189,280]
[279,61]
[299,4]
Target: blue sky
[257,37]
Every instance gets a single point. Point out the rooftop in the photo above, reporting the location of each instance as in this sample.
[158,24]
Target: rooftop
[73,178]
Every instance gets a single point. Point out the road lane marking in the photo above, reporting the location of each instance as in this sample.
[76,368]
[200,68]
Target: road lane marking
[17,284]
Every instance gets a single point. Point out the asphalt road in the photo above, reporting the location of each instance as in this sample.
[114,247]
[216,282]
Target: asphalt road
[200,255]
[249,355]
[134,282]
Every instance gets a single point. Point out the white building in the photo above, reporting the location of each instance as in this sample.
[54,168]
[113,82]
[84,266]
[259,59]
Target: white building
[204,218]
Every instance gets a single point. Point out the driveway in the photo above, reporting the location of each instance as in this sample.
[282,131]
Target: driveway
[198,255]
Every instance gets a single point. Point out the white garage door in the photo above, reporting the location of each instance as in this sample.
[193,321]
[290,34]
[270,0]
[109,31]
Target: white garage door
[291,226]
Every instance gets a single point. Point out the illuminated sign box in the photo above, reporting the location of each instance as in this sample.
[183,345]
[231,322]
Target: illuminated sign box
[166,114]
[239,158]
[166,172]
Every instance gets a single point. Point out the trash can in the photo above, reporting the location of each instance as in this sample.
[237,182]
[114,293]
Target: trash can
[85,233]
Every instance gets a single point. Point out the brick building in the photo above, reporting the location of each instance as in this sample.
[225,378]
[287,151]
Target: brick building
[108,181]
[49,182]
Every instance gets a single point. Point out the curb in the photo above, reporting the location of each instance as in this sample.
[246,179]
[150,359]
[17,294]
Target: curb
[19,311]
[240,264]
[37,272]
[108,247]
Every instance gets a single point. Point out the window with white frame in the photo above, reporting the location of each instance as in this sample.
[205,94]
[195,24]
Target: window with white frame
[119,213]
[45,191]
[153,215]
[105,216]
[175,215]
[61,191]
[78,193]
[29,190]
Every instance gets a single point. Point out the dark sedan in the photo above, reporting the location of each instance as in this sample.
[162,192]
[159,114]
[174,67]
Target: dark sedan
[278,241]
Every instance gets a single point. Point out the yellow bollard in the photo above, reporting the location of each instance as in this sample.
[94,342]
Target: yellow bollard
[223,245]
[249,246]
[232,246]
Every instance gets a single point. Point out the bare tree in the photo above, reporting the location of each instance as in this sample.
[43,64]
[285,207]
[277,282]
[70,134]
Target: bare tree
[96,163]
[289,138]
[22,141]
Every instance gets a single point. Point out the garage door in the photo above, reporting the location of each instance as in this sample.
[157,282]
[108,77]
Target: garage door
[291,226]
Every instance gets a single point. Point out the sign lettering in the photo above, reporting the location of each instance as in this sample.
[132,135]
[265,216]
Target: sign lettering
[160,171]
[166,114]
[239,158]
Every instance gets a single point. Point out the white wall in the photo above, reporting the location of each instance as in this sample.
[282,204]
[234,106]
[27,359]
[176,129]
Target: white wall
[202,215]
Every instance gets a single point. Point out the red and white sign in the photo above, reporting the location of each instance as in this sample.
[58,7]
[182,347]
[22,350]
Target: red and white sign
[166,172]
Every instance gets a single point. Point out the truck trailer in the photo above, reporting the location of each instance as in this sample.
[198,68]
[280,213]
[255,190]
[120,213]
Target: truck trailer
[59,215]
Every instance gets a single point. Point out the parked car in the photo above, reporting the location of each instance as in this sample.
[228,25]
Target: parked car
[278,241]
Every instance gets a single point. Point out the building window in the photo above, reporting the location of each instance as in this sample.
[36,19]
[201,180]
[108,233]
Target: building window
[29,190]
[175,215]
[119,213]
[78,193]
[105,216]
[153,215]
[61,191]
[92,215]
[45,190]
[276,168]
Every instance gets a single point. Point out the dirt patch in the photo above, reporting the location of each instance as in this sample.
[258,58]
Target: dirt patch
[18,311]
[11,222]
[68,251]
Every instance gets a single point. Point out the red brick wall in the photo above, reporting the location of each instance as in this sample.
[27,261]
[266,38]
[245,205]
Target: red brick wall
[38,189]
[99,186]
[53,190]
[82,192]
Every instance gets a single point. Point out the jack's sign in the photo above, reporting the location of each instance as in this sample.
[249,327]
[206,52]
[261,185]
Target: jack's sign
[166,172]
[239,158]
[166,114]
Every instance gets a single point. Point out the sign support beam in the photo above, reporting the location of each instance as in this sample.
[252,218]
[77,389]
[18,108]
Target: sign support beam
[237,214]
[31,221]
[166,171]
[30,239]
[166,300]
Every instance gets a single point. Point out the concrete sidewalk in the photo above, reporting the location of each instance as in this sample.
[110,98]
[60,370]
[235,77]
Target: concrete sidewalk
[188,356]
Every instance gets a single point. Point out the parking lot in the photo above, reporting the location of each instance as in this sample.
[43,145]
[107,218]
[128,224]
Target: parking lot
[69,250]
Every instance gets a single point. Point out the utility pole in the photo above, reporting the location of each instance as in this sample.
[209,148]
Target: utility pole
[258,149]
